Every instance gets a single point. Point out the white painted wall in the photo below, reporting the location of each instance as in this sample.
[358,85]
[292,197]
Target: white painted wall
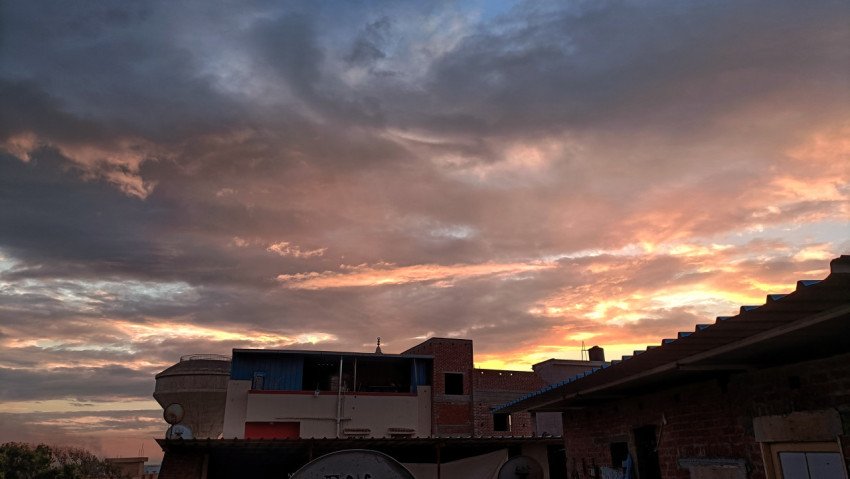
[235,409]
[317,414]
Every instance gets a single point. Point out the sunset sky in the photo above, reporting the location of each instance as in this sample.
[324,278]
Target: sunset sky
[191,177]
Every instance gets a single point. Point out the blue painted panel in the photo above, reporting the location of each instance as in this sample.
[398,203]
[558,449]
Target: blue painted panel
[282,372]
[419,374]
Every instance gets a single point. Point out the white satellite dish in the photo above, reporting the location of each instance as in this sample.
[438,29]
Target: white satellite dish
[173,414]
[179,431]
[353,463]
[521,467]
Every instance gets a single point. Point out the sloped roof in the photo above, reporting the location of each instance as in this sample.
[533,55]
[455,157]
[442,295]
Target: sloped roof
[810,323]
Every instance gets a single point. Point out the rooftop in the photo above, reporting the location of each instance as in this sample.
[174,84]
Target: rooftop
[306,352]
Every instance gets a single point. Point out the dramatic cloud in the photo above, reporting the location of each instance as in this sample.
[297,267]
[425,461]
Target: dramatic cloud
[364,275]
[186,177]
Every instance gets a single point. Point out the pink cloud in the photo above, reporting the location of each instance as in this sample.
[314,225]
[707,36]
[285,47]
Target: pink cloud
[384,274]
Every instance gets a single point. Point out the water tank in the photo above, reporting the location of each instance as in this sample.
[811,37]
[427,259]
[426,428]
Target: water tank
[199,384]
[596,354]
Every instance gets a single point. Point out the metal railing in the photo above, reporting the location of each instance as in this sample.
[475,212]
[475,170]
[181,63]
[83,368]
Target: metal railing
[208,357]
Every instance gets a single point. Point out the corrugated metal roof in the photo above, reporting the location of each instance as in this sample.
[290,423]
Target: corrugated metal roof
[813,321]
[275,458]
[352,443]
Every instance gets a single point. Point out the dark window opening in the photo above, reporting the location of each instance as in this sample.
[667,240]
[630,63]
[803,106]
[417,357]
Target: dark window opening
[501,422]
[557,461]
[619,453]
[364,374]
[321,373]
[454,383]
[794,382]
[646,447]
[383,376]
[258,383]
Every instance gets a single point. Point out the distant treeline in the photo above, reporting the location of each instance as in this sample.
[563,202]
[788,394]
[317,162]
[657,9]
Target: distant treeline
[20,460]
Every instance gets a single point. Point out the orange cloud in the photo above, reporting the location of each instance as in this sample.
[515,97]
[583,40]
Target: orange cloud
[285,249]
[21,145]
[384,273]
[162,331]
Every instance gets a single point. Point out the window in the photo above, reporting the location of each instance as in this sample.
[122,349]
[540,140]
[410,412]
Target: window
[501,422]
[454,383]
[804,460]
[807,465]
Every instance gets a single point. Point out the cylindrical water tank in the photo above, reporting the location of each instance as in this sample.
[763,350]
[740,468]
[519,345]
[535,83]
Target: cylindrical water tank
[199,384]
[596,354]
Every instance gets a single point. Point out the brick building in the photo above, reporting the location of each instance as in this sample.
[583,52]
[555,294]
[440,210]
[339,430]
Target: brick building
[763,394]
[463,396]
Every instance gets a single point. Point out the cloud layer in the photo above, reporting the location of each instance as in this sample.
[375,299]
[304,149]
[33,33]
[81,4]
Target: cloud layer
[180,177]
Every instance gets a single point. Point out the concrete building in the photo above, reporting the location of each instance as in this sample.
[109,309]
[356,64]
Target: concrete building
[428,407]
[324,394]
[198,383]
[763,394]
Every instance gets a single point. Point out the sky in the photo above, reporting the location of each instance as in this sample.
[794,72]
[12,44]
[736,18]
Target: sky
[182,177]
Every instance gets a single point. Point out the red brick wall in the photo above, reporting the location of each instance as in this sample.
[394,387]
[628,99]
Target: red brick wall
[450,355]
[453,414]
[491,388]
[525,381]
[450,414]
[712,418]
[520,422]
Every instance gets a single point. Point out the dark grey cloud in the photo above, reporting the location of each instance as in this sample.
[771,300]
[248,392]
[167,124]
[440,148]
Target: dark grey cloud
[633,64]
[368,46]
[86,384]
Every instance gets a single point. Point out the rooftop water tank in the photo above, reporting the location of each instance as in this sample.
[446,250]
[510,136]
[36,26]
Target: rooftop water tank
[199,384]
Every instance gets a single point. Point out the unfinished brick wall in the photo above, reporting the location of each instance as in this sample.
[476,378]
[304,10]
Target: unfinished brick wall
[491,388]
[451,414]
[500,380]
[711,418]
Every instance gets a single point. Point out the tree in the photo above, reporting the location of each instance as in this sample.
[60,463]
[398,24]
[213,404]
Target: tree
[24,461]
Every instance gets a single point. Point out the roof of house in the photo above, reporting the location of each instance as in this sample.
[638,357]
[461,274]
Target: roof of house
[811,322]
[306,352]
[233,453]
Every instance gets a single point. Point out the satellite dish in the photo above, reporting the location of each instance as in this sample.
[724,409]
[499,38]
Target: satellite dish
[353,463]
[521,467]
[174,413]
[178,431]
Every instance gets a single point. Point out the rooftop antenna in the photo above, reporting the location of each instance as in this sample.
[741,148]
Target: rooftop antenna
[378,349]
[584,356]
